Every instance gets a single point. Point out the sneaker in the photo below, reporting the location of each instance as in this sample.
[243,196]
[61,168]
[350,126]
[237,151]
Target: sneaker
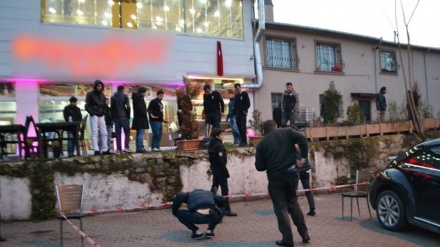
[230,213]
[127,150]
[197,235]
[156,150]
[70,155]
[97,152]
[209,234]
[107,152]
[311,212]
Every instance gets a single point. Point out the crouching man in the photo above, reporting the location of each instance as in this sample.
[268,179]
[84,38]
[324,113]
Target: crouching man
[203,208]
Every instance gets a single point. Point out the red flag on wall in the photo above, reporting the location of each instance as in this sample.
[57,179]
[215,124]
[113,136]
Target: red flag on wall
[219,59]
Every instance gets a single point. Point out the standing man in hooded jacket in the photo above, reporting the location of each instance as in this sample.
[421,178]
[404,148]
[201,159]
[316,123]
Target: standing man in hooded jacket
[121,117]
[72,113]
[95,104]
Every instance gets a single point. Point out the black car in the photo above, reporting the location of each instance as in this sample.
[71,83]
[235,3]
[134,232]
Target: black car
[407,191]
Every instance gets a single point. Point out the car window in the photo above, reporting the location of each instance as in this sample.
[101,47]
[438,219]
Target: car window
[429,158]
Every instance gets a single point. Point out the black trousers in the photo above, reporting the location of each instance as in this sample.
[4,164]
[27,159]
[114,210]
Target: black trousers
[304,176]
[241,124]
[283,193]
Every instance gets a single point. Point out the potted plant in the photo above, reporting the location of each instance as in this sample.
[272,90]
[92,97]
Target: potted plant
[256,128]
[189,126]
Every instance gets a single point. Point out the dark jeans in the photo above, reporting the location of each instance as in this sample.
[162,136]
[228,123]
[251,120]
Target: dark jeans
[288,116]
[304,176]
[122,122]
[156,129]
[213,119]
[71,144]
[282,191]
[189,219]
[241,124]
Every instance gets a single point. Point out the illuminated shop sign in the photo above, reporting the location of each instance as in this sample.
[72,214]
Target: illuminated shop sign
[111,56]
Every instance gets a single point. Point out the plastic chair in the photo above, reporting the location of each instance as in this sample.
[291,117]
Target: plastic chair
[82,140]
[359,191]
[70,205]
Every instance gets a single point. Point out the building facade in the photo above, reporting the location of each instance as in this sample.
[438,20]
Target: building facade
[359,66]
[53,49]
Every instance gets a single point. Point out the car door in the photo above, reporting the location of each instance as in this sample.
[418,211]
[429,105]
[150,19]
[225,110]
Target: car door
[422,169]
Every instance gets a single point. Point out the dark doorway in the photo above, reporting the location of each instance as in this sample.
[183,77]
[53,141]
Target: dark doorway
[365,106]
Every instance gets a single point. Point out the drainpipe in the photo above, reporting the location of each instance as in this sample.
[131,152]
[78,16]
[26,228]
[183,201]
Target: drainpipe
[375,69]
[257,54]
[426,76]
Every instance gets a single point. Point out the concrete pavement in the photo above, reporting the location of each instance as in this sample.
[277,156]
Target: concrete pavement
[254,226]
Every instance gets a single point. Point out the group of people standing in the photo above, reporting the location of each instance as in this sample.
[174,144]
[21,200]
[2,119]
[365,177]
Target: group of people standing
[239,104]
[102,117]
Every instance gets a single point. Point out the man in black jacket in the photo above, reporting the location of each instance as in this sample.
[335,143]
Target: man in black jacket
[203,208]
[288,103]
[277,155]
[140,118]
[95,103]
[213,105]
[121,117]
[242,104]
[155,111]
[72,113]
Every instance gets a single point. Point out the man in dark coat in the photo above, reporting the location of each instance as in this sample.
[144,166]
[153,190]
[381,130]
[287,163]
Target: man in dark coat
[95,104]
[204,207]
[121,117]
[381,104]
[242,104]
[155,110]
[71,113]
[220,174]
[277,155]
[140,118]
[213,105]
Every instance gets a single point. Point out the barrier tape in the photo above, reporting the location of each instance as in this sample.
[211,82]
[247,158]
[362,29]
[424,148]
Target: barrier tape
[246,195]
[93,243]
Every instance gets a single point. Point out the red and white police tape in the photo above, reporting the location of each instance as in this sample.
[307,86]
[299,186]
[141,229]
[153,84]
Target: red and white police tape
[93,243]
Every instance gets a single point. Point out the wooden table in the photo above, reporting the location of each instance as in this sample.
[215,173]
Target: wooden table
[59,128]
[13,129]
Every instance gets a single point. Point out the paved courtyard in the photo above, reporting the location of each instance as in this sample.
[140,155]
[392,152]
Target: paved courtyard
[254,226]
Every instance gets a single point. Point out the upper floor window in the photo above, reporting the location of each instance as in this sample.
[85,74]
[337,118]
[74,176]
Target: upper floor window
[388,61]
[222,18]
[281,54]
[328,57]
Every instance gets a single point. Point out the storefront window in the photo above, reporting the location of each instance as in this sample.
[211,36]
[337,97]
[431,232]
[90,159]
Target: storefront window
[8,105]
[222,18]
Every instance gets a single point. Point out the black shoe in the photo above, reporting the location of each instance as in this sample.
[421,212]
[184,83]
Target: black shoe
[197,235]
[230,213]
[305,238]
[281,243]
[311,212]
[209,234]
[141,151]
[243,144]
[107,152]
[97,153]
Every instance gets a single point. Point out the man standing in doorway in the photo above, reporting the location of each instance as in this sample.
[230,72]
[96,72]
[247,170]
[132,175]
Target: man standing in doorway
[381,104]
[155,110]
[288,102]
[121,118]
[213,105]
[140,118]
[72,113]
[242,104]
[95,104]
[277,155]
